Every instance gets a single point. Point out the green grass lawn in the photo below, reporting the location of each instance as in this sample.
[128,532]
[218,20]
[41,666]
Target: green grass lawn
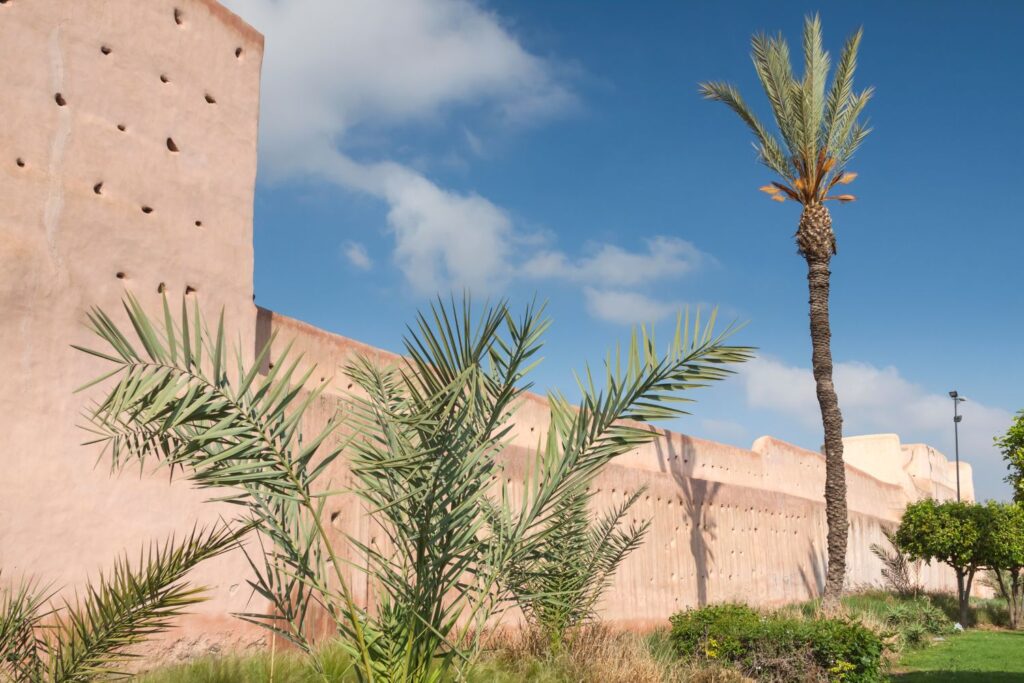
[975,656]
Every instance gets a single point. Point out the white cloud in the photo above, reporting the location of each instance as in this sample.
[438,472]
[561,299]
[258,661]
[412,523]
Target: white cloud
[442,239]
[877,400]
[625,307]
[343,76]
[331,67]
[610,265]
[357,256]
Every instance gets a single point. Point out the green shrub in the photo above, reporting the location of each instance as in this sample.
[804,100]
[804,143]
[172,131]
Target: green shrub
[777,647]
[839,643]
[725,629]
[907,621]
[913,621]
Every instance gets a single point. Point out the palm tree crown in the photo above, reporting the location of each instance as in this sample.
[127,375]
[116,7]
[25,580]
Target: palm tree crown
[819,133]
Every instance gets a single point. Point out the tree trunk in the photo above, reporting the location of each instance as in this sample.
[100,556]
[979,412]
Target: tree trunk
[1015,598]
[832,421]
[816,242]
[961,597]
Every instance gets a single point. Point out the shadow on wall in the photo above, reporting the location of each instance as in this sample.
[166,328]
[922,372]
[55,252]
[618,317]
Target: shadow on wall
[697,496]
[676,456]
[817,562]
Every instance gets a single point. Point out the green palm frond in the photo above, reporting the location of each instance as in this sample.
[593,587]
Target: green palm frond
[173,397]
[816,65]
[851,132]
[641,385]
[820,131]
[23,622]
[173,401]
[841,91]
[432,430]
[558,588]
[611,541]
[771,61]
[93,637]
[769,150]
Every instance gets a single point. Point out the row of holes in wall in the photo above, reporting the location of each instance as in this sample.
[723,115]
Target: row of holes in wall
[164,78]
[160,288]
[98,187]
[179,19]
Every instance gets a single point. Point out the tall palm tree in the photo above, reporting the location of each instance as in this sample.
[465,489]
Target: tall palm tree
[819,135]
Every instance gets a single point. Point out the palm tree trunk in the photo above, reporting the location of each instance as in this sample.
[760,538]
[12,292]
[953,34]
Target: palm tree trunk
[832,421]
[817,245]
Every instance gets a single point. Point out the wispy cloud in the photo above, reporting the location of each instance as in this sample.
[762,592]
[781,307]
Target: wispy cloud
[625,307]
[876,400]
[333,67]
[357,255]
[338,75]
[611,265]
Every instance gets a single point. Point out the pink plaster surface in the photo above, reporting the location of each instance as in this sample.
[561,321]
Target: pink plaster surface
[729,523]
[64,248]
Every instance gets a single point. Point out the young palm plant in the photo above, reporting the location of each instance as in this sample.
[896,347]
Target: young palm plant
[92,638]
[426,454]
[900,574]
[559,589]
[429,464]
[819,135]
[172,398]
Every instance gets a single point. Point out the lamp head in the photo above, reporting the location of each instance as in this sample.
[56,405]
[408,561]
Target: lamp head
[953,394]
[958,418]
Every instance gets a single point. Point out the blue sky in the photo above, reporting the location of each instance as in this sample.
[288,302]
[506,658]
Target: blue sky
[560,149]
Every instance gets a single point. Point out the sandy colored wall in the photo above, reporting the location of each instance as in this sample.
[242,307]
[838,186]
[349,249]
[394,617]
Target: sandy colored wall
[729,523]
[68,243]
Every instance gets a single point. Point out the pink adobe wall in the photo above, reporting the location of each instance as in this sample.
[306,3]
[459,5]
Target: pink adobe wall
[729,523]
[67,243]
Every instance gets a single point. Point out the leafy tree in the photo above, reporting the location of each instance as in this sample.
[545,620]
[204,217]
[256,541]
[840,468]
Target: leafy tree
[1011,445]
[819,135]
[1004,553]
[424,453]
[90,639]
[954,533]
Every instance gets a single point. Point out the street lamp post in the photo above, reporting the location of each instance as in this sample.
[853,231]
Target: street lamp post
[957,399]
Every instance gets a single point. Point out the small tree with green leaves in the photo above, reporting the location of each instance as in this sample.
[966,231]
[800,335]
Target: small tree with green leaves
[949,532]
[1011,445]
[1003,547]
